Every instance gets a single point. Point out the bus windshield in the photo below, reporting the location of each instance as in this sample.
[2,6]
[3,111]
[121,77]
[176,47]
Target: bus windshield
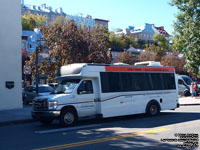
[66,86]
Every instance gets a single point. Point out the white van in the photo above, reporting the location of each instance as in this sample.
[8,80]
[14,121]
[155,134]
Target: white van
[107,91]
[184,83]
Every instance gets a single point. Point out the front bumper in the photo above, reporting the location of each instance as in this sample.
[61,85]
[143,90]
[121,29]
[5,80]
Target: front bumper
[45,114]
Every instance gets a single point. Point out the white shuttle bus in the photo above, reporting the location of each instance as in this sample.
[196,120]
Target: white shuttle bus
[107,91]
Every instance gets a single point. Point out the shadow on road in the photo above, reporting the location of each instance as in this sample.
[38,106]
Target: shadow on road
[141,122]
[137,121]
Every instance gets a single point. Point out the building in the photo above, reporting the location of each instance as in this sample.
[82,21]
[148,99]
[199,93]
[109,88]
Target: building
[120,32]
[162,31]
[51,14]
[10,58]
[115,54]
[135,51]
[145,32]
[86,22]
[29,42]
[43,10]
[101,22]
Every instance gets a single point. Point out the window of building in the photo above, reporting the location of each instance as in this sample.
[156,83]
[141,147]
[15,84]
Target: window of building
[30,46]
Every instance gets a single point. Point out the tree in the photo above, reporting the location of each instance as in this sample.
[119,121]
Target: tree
[116,42]
[122,42]
[99,46]
[159,47]
[29,22]
[60,20]
[149,56]
[127,58]
[69,44]
[187,32]
[161,42]
[175,61]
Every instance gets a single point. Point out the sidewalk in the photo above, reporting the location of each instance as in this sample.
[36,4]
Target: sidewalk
[16,116]
[23,115]
[189,101]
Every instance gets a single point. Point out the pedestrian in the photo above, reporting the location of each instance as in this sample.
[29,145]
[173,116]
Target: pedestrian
[196,89]
[192,89]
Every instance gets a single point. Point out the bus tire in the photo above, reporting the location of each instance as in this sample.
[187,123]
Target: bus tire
[68,117]
[153,109]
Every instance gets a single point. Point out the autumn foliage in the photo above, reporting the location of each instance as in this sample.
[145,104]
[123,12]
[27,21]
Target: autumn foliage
[174,60]
[69,43]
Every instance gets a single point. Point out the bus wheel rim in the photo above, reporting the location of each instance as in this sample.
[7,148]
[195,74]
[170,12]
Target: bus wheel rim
[69,118]
[153,109]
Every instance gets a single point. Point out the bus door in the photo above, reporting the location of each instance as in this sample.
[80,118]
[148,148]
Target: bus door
[85,97]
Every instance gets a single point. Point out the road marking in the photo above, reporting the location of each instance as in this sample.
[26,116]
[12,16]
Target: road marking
[67,129]
[104,139]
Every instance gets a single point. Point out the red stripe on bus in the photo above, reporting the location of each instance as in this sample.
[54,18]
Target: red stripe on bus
[137,69]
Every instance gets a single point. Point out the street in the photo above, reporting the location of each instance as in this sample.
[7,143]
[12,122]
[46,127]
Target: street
[128,132]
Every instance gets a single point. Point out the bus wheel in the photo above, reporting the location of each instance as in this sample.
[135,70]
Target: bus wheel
[153,109]
[68,117]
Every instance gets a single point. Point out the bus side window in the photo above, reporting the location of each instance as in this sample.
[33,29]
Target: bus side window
[85,87]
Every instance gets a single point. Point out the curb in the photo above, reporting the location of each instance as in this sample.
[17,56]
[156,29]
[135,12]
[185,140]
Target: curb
[190,104]
[14,122]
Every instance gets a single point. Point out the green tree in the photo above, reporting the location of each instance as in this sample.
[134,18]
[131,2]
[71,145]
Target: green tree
[122,42]
[29,22]
[161,41]
[117,41]
[159,47]
[187,32]
[60,20]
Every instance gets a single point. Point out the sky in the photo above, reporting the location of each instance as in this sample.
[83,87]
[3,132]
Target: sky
[120,13]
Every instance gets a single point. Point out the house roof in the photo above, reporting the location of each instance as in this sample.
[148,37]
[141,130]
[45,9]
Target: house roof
[162,31]
[96,19]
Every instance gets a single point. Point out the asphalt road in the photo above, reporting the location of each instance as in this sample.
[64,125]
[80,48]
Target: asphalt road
[129,132]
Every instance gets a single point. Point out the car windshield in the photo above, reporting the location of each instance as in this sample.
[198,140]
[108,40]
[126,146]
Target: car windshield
[66,86]
[45,89]
[187,80]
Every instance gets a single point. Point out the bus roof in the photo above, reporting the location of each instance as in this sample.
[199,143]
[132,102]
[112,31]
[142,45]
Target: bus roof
[92,70]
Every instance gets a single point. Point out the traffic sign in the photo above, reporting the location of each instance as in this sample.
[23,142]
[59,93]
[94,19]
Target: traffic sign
[27,69]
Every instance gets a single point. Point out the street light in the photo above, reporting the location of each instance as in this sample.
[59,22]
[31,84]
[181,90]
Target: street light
[40,42]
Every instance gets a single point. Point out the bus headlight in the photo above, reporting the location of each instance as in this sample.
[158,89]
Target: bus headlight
[52,105]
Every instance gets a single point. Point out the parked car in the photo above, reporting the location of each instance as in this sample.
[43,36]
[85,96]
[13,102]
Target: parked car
[53,85]
[187,79]
[183,85]
[29,92]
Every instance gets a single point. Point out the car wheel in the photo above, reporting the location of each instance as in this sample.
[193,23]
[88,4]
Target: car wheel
[153,109]
[68,117]
[187,93]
